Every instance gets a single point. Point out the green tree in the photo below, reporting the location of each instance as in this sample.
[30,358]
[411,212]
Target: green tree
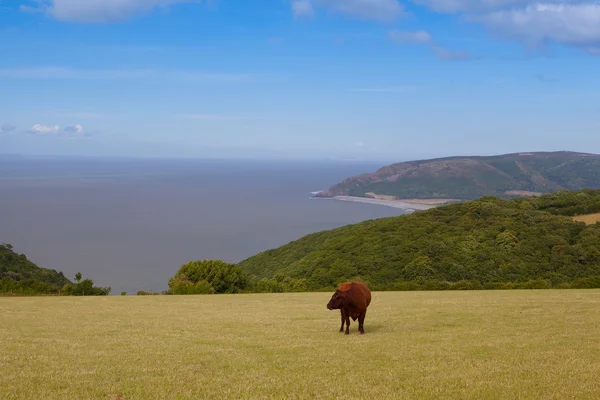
[85,287]
[420,267]
[208,276]
[507,240]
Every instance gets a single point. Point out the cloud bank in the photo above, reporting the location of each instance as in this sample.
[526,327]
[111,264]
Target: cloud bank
[573,23]
[72,131]
[44,129]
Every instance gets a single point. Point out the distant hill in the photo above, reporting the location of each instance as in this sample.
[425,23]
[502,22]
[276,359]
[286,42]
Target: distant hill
[469,178]
[487,243]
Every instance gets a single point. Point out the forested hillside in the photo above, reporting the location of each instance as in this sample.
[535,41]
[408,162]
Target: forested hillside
[20,276]
[487,243]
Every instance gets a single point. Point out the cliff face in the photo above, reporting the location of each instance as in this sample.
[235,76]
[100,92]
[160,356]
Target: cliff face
[467,178]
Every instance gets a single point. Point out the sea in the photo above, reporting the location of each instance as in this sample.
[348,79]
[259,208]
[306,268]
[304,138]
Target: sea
[131,223]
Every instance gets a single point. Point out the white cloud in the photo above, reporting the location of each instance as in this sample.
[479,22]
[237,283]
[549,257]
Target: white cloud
[98,11]
[571,24]
[302,8]
[6,128]
[418,37]
[112,74]
[78,129]
[44,129]
[481,6]
[567,22]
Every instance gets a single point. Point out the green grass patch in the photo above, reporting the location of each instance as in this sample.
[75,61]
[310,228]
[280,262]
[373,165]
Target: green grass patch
[448,345]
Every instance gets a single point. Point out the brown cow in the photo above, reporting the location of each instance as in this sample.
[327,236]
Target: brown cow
[352,299]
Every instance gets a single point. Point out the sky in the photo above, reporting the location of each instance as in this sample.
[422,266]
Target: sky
[343,79]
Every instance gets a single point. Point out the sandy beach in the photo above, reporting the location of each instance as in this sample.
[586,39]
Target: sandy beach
[409,207]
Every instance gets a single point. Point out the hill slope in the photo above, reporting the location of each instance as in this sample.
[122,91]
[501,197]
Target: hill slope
[18,275]
[488,242]
[17,270]
[468,178]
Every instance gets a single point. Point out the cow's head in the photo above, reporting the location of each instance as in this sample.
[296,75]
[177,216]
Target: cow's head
[337,300]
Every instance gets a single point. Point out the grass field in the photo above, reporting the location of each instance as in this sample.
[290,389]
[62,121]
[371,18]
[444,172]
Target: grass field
[418,345]
[588,218]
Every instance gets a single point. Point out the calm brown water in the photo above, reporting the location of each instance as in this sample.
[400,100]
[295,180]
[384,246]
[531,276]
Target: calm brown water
[130,224]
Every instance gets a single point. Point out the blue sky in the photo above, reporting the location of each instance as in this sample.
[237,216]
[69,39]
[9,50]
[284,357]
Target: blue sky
[369,79]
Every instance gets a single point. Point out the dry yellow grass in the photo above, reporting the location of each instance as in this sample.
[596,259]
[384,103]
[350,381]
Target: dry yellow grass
[446,345]
[381,196]
[588,219]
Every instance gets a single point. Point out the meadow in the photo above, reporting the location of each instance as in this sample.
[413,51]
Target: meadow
[535,344]
[589,219]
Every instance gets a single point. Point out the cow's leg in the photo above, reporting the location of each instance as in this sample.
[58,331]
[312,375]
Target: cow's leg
[343,319]
[347,315]
[361,322]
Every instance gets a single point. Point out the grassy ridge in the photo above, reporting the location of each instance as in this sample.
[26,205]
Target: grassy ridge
[468,178]
[488,243]
[493,345]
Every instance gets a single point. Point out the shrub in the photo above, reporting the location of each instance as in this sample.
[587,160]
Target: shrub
[207,277]
[183,286]
[146,293]
[591,282]
[85,288]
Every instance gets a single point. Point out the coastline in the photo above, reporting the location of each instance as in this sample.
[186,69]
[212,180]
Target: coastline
[409,207]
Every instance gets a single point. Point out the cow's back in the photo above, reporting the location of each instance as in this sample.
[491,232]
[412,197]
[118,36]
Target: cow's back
[358,291]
